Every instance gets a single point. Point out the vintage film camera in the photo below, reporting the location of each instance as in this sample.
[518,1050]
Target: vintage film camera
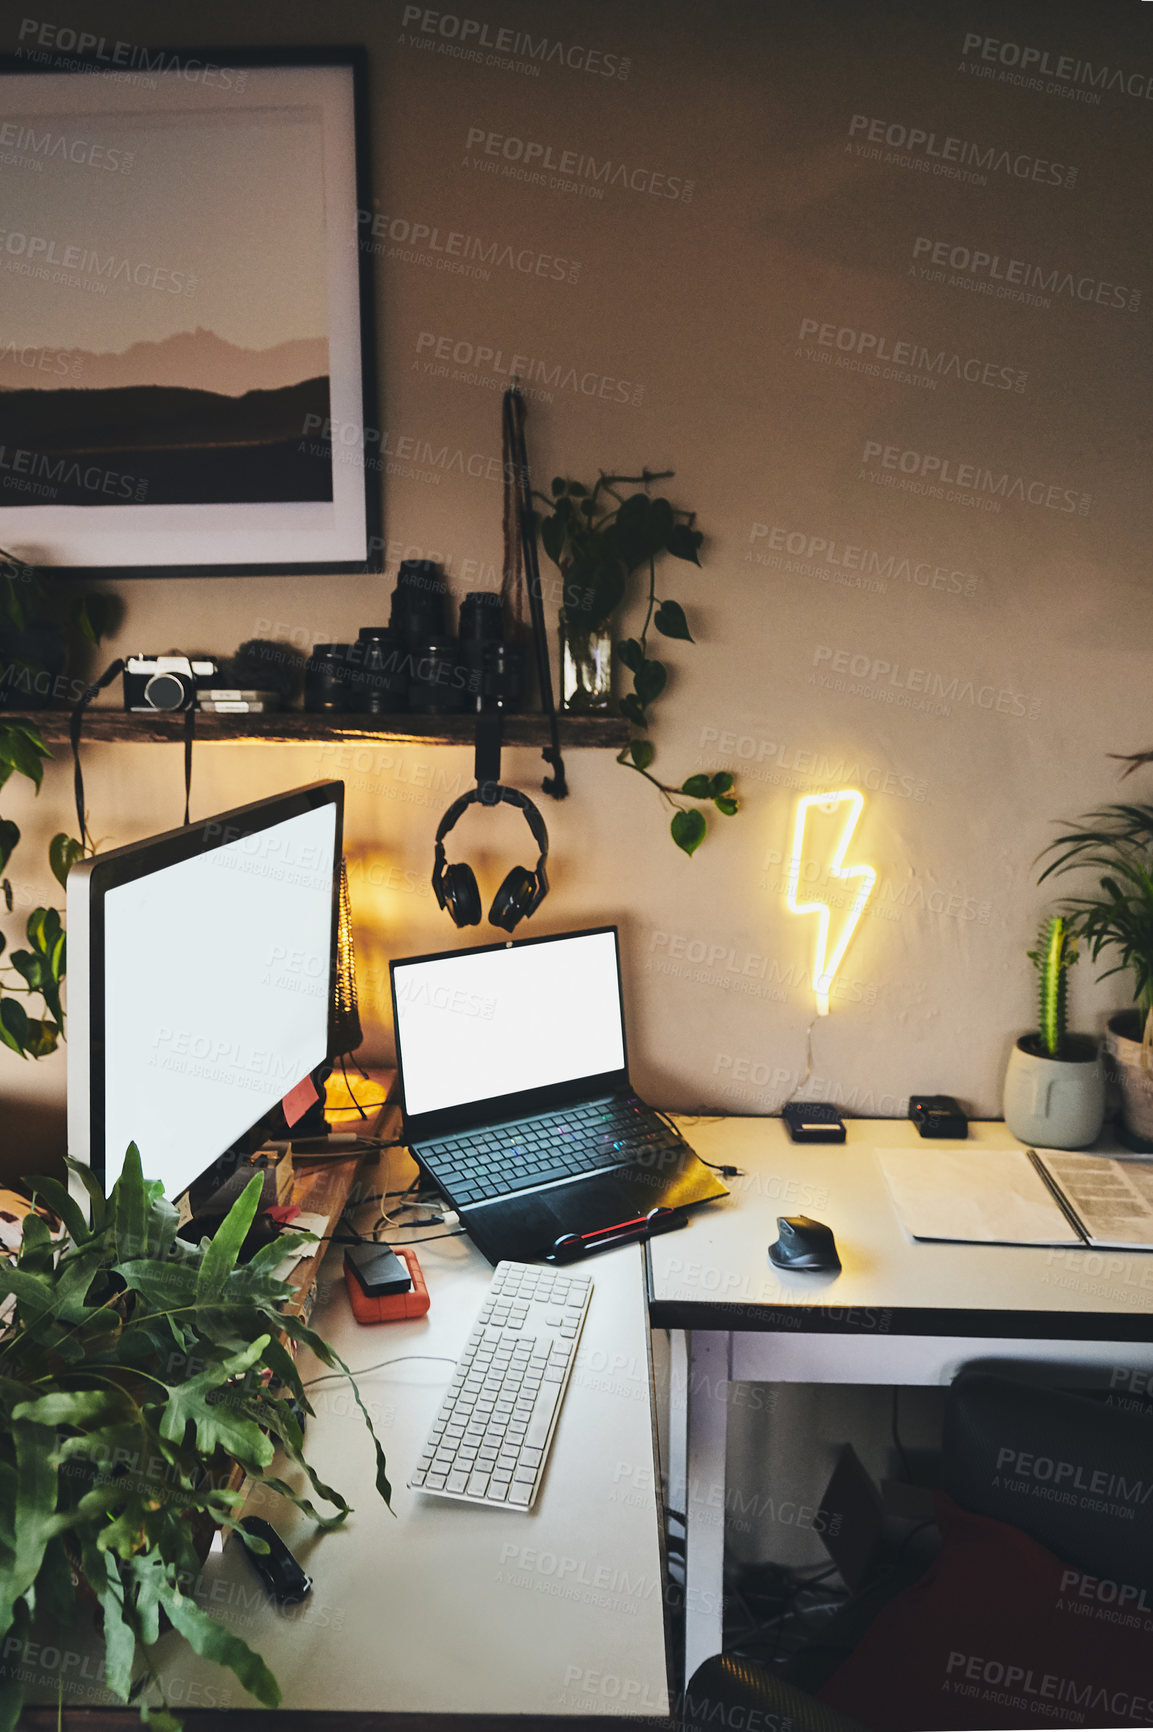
[165,682]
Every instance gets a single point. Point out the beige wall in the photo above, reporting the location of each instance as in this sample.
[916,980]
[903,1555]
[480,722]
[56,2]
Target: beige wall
[742,318]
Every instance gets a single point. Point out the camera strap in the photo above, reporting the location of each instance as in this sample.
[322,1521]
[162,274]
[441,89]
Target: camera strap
[74,725]
[76,722]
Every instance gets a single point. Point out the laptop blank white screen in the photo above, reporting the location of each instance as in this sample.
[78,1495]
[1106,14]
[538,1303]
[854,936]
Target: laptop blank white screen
[479,1024]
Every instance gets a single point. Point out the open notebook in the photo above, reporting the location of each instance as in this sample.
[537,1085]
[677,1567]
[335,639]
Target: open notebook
[1015,1196]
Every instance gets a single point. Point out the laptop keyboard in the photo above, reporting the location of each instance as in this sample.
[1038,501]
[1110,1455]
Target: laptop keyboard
[513,1157]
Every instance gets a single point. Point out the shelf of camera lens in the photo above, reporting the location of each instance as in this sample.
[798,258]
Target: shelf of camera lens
[282,726]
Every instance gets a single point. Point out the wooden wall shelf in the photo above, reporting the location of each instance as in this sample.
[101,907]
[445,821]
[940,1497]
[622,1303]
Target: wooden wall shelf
[285,726]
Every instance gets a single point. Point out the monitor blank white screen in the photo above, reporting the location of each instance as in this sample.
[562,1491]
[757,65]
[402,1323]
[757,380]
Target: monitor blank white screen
[485,1023]
[216,994]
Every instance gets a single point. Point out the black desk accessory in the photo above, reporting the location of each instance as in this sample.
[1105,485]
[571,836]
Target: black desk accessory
[286,1582]
[378,1269]
[570,1246]
[804,1244]
[938,1116]
[813,1122]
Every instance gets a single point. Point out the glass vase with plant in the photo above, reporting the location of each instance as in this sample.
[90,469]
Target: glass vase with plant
[598,537]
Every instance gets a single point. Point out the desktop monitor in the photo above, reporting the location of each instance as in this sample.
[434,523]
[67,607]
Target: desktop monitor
[200,967]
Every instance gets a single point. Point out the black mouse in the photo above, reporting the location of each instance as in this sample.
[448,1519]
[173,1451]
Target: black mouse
[804,1244]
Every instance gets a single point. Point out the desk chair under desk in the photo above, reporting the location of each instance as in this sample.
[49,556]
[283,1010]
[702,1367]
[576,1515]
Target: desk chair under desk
[899,1312]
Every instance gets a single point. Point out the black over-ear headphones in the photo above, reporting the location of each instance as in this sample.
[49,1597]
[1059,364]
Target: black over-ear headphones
[522,891]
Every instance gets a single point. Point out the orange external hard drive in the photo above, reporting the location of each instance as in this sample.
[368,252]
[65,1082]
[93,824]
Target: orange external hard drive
[390,1307]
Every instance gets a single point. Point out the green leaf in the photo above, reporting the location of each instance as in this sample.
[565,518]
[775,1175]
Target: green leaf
[670,621]
[119,1638]
[92,614]
[213,1642]
[63,853]
[35,1516]
[218,1423]
[552,538]
[683,542]
[13,1025]
[44,929]
[630,653]
[9,836]
[92,1185]
[726,804]
[688,830]
[577,490]
[650,679]
[661,524]
[630,706]
[642,753]
[721,783]
[82,1408]
[697,788]
[30,965]
[220,1257]
[23,750]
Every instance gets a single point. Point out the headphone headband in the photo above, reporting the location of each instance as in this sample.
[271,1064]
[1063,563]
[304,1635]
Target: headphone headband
[494,794]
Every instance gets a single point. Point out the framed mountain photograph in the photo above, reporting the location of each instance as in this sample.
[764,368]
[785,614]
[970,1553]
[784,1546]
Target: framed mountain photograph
[186,356]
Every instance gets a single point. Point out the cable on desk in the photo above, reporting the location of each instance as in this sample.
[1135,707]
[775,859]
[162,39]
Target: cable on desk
[364,1370]
[726,1171]
[456,1233]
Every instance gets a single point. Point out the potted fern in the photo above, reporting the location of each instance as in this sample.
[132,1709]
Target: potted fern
[1116,842]
[135,1369]
[1055,1081]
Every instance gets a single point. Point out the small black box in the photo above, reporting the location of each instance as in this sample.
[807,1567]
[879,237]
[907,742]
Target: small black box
[378,1269]
[938,1116]
[813,1122]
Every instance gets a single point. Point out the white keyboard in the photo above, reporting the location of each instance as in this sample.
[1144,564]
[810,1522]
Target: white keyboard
[490,1439]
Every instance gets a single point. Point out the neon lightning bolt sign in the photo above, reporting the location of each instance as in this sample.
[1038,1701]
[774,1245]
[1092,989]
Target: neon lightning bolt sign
[825,961]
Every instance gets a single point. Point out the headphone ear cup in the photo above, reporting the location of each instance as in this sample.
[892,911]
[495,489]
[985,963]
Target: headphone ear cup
[514,899]
[461,896]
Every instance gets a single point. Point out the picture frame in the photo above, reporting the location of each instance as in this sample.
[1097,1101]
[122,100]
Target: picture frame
[187,356]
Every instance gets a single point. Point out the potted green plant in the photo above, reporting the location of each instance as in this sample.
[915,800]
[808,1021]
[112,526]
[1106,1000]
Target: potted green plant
[35,625]
[597,537]
[1116,843]
[1055,1081]
[135,1368]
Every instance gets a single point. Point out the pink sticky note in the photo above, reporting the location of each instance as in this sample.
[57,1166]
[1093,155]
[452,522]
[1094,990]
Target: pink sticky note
[298,1100]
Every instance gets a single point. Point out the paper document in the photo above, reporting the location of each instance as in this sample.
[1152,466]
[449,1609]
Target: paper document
[1113,1200]
[979,1196]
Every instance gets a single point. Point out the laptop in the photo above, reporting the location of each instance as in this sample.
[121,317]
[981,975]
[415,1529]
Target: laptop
[516,1096]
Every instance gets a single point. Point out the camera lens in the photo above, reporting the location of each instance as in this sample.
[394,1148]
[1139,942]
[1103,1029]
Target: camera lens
[325,689]
[167,692]
[435,683]
[419,601]
[481,615]
[381,682]
[492,670]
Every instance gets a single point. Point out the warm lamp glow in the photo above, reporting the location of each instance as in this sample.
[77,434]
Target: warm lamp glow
[825,961]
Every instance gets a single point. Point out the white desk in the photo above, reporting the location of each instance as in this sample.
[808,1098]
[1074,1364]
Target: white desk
[898,1312]
[447,1608]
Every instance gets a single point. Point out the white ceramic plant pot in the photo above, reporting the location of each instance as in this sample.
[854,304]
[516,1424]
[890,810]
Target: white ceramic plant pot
[1055,1103]
[1131,1067]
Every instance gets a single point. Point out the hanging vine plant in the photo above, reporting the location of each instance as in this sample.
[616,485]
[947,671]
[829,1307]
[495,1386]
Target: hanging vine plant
[598,537]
